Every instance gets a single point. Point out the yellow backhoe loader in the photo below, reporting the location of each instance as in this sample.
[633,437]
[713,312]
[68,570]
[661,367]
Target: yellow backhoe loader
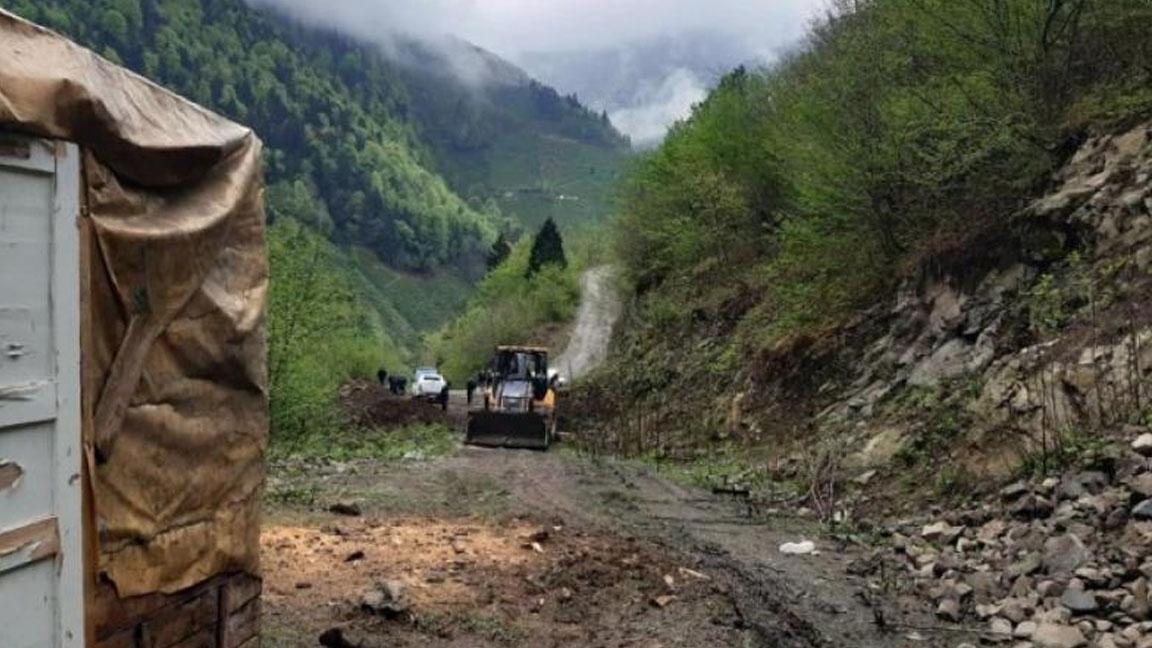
[519,404]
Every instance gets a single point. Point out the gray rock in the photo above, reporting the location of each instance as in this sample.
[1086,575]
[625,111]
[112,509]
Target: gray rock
[387,598]
[949,610]
[1141,484]
[1063,554]
[1052,635]
[1143,510]
[941,532]
[1025,630]
[1079,601]
[1143,445]
[1014,491]
[1000,628]
[1026,566]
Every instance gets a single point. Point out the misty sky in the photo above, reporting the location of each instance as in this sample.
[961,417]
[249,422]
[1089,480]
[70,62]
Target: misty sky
[511,27]
[521,30]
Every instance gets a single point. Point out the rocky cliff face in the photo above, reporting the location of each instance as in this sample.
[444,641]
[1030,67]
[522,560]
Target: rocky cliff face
[1045,335]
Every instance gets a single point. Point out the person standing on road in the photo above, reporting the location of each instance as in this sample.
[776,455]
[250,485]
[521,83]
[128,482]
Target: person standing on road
[471,389]
[382,376]
[445,393]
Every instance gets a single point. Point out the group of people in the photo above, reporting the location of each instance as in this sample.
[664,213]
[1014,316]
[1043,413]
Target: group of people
[397,385]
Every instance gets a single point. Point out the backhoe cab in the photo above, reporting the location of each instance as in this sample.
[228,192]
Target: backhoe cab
[519,404]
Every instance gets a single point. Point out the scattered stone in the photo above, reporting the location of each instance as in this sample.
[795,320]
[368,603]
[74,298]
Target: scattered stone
[1143,510]
[663,600]
[350,509]
[1063,554]
[802,548]
[1014,491]
[1142,445]
[1053,635]
[1000,628]
[387,598]
[1025,630]
[354,556]
[941,532]
[1079,601]
[949,610]
[303,585]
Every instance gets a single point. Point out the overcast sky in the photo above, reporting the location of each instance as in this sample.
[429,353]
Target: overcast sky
[512,27]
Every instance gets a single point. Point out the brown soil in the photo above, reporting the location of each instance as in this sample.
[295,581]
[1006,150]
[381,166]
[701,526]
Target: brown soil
[474,583]
[371,405]
[615,531]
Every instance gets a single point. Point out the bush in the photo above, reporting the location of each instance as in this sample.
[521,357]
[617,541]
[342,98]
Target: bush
[319,334]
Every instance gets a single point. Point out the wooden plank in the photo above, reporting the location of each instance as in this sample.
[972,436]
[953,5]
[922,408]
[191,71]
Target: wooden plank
[238,591]
[28,544]
[124,639]
[241,626]
[113,614]
[176,624]
[204,639]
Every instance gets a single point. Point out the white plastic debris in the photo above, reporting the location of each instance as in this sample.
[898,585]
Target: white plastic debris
[802,548]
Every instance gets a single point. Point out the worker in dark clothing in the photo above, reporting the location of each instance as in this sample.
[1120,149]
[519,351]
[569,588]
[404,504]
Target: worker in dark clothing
[382,376]
[471,390]
[445,393]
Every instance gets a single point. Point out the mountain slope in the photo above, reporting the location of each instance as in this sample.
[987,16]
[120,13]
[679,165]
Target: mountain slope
[500,137]
[361,137]
[330,111]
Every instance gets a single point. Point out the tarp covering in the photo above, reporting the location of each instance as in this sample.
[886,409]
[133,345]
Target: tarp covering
[174,365]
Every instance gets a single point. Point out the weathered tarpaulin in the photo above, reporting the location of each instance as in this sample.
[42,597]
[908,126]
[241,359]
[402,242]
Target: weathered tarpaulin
[174,356]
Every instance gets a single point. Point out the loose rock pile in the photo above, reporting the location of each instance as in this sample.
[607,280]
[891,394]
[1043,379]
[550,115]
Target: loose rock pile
[1060,563]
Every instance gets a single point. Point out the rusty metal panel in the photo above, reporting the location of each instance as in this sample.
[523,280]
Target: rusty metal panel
[41,595]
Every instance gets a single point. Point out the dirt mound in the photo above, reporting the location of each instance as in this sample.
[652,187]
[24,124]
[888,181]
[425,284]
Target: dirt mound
[478,583]
[371,405]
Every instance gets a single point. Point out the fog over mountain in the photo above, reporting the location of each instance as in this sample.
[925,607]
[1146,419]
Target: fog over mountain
[646,85]
[645,62]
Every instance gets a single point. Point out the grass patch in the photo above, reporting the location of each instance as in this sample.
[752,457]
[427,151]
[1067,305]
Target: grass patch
[415,442]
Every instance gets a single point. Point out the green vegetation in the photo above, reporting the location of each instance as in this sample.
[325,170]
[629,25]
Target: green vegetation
[328,108]
[547,249]
[512,306]
[901,131]
[417,441]
[371,246]
[320,333]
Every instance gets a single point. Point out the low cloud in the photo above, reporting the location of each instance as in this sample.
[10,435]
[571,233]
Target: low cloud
[657,107]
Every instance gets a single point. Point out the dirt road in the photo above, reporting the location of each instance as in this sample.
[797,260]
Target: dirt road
[599,310]
[515,548]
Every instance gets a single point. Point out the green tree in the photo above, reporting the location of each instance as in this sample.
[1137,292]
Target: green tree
[499,252]
[547,249]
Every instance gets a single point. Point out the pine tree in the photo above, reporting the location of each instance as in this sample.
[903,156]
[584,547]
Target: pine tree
[499,252]
[548,248]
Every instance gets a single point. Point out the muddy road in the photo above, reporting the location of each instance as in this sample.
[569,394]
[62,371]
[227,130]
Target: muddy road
[517,548]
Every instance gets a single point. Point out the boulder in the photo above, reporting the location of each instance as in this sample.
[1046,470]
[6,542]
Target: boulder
[1079,601]
[1053,635]
[1063,554]
[1142,445]
[387,598]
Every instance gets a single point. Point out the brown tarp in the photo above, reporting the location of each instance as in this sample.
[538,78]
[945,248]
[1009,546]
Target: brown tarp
[175,371]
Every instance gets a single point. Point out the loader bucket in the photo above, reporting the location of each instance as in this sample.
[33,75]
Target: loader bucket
[508,430]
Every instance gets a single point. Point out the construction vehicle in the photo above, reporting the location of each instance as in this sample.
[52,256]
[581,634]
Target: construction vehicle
[519,404]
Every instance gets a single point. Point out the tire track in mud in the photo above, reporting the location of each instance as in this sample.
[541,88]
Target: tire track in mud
[800,602]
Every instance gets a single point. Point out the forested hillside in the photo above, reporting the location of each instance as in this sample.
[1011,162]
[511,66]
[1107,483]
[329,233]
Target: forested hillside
[896,145]
[332,113]
[387,169]
[500,137]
